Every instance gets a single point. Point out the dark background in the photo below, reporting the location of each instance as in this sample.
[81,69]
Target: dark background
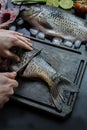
[17,116]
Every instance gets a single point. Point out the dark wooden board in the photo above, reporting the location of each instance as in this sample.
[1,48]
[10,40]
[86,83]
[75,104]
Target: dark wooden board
[35,93]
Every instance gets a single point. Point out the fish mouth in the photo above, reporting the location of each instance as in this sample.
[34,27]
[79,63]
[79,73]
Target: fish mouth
[5,18]
[8,16]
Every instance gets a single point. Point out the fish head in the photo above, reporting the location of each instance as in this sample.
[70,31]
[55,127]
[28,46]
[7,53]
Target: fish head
[31,12]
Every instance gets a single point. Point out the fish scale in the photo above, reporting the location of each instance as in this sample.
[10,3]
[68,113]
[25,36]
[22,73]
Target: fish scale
[64,25]
[55,22]
[57,12]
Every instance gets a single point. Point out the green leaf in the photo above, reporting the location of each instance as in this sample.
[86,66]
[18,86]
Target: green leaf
[28,1]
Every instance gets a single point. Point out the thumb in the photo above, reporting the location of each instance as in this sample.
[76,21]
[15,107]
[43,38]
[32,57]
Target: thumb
[11,75]
[12,56]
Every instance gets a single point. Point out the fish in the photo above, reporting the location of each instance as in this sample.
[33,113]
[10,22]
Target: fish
[8,16]
[55,22]
[2,5]
[38,68]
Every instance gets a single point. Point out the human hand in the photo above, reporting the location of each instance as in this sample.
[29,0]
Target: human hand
[9,39]
[7,84]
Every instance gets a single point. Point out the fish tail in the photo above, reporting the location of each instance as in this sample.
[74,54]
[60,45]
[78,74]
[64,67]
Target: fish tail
[65,83]
[61,83]
[54,95]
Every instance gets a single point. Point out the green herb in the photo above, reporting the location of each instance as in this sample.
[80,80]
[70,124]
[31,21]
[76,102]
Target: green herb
[27,1]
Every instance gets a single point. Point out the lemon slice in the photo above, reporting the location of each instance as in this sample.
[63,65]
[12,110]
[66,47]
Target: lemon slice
[49,2]
[56,3]
[53,2]
[66,4]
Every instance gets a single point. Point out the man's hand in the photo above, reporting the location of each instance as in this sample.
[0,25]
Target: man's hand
[7,84]
[9,39]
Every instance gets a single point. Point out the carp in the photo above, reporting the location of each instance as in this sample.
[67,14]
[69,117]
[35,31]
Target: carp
[55,22]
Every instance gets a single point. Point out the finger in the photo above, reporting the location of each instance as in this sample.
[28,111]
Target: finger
[12,56]
[15,33]
[22,44]
[5,99]
[7,88]
[13,83]
[25,40]
[11,92]
[11,75]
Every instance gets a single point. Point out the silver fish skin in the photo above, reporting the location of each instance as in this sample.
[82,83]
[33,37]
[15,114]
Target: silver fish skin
[39,68]
[55,22]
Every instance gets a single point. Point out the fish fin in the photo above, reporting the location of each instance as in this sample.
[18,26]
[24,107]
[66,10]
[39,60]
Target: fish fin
[45,24]
[55,98]
[69,85]
[64,84]
[57,104]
